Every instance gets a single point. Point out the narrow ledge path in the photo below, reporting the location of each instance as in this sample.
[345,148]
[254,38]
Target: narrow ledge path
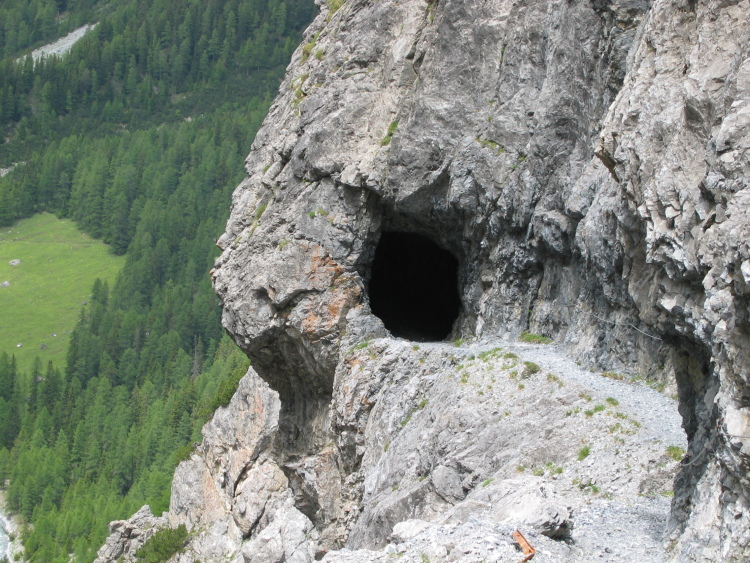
[655,410]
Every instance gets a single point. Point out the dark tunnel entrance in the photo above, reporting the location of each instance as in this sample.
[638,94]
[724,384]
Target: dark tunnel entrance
[414,287]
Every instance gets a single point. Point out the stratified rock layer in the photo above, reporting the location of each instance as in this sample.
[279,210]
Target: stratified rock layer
[587,163]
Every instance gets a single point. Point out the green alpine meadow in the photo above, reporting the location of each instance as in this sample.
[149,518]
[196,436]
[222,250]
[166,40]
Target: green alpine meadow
[50,267]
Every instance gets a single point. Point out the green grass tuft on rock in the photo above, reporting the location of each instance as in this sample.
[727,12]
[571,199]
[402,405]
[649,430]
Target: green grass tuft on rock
[534,338]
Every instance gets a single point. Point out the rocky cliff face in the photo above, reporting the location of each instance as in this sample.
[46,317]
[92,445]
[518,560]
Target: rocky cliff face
[586,163]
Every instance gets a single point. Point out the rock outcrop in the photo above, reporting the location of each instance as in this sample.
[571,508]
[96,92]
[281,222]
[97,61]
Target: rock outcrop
[587,164]
[126,537]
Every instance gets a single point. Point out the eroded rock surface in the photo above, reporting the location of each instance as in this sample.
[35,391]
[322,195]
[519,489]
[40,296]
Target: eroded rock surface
[587,164]
[126,537]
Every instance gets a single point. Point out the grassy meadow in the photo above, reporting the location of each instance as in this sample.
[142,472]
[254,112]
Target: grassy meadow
[58,267]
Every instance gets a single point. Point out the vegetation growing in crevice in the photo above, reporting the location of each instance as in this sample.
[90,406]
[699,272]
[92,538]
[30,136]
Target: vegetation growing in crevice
[333,7]
[308,47]
[385,141]
[490,144]
[431,9]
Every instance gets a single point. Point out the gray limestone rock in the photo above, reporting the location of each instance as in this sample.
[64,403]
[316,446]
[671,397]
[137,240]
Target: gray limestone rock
[127,536]
[587,164]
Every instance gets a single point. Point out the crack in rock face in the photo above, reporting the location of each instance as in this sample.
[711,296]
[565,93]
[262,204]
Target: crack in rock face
[585,165]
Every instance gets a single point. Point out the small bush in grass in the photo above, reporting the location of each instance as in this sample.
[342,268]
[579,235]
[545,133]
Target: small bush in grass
[530,368]
[675,452]
[162,545]
[596,409]
[534,338]
[586,486]
[583,453]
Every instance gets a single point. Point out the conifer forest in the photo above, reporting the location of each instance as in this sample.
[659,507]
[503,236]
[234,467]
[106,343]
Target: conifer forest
[138,134]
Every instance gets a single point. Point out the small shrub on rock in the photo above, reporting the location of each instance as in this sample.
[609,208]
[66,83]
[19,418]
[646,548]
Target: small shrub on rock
[675,452]
[530,368]
[163,545]
[534,338]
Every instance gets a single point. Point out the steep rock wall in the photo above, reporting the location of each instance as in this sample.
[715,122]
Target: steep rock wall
[586,162]
[676,143]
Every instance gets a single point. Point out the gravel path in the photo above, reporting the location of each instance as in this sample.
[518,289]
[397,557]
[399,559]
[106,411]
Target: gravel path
[612,532]
[656,411]
[614,529]
[622,523]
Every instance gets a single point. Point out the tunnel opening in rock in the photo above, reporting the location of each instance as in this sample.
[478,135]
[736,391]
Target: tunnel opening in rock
[414,287]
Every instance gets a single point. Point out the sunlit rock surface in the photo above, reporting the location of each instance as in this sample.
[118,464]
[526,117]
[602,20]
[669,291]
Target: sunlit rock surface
[587,164]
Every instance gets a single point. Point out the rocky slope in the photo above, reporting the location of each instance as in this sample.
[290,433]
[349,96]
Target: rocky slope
[577,461]
[587,163]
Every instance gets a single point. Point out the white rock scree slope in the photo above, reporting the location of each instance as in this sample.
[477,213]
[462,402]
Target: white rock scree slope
[4,543]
